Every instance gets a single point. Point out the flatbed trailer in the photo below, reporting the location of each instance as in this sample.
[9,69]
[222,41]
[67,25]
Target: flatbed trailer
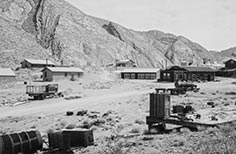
[40,92]
[189,124]
[192,125]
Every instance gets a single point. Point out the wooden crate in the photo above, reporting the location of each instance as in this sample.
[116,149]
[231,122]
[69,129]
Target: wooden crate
[159,105]
[70,138]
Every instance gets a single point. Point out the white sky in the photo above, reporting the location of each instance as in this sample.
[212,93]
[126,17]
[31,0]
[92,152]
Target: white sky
[212,23]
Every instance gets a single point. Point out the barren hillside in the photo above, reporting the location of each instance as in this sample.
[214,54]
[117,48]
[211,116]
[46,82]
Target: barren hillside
[56,29]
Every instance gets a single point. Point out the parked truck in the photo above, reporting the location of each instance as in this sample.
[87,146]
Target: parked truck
[40,92]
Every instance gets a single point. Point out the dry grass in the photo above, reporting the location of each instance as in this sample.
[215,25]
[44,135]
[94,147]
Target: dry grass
[116,146]
[220,141]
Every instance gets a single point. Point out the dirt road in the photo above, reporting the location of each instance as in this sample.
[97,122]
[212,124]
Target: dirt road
[61,105]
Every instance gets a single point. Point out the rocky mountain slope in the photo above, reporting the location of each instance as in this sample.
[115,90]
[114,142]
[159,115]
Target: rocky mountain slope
[56,30]
[224,54]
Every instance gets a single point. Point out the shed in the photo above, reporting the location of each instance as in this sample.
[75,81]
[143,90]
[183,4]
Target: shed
[7,76]
[230,63]
[141,73]
[60,73]
[187,73]
[125,63]
[36,63]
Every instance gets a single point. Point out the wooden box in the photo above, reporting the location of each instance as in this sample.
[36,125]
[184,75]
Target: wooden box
[70,138]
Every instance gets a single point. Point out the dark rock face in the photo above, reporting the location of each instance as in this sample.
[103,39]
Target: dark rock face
[56,30]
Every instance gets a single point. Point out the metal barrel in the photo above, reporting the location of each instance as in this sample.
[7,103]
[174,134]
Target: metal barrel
[24,142]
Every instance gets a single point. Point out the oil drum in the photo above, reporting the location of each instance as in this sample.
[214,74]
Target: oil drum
[24,142]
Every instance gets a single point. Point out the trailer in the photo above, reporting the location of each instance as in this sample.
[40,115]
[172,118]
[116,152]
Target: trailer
[40,92]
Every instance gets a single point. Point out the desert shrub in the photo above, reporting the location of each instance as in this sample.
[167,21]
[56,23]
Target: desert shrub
[116,146]
[136,129]
[220,141]
[63,124]
[178,142]
[71,126]
[138,121]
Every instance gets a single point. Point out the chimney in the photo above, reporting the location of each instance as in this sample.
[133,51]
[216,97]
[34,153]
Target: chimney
[46,61]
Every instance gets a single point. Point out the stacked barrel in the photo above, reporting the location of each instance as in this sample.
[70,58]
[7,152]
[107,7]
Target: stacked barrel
[24,142]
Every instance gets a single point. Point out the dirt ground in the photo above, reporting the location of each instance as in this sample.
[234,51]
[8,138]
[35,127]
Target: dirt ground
[116,111]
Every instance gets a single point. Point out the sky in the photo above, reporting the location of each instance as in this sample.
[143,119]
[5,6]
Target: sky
[211,23]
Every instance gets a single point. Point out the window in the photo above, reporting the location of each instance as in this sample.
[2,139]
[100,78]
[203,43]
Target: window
[132,76]
[168,76]
[126,76]
[45,74]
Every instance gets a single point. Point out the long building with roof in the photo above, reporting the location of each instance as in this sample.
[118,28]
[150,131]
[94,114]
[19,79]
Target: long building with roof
[187,73]
[36,63]
[60,73]
[141,73]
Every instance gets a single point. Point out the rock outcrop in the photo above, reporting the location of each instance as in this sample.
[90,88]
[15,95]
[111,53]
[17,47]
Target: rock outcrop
[56,30]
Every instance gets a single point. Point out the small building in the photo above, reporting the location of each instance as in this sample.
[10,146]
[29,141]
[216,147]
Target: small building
[187,73]
[36,63]
[230,64]
[125,63]
[7,76]
[60,73]
[141,73]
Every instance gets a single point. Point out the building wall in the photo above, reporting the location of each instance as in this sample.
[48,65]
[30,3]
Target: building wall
[172,76]
[7,79]
[47,75]
[231,64]
[56,76]
[68,76]
[141,76]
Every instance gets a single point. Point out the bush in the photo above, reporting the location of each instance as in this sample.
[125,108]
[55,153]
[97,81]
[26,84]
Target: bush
[220,141]
[116,146]
[70,126]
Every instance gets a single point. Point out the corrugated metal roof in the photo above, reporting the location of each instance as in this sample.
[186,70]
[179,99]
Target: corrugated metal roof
[65,69]
[40,61]
[199,69]
[141,70]
[6,72]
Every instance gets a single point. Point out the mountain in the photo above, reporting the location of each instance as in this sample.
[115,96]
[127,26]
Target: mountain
[224,54]
[57,30]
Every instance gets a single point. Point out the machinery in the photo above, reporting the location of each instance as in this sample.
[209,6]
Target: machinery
[40,92]
[160,113]
[187,86]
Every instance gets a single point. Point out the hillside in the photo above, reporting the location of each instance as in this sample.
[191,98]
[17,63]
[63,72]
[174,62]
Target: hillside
[57,30]
[224,54]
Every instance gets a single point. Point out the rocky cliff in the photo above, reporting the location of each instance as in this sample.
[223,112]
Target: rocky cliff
[57,30]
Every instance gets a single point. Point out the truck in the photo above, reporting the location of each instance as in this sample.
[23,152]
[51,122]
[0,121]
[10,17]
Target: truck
[40,92]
